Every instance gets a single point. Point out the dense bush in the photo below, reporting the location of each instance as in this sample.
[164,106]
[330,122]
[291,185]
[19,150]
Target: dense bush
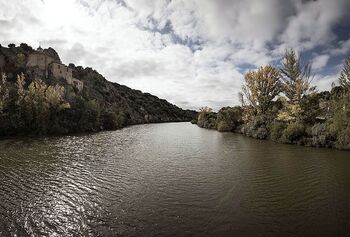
[276,130]
[228,119]
[90,118]
[343,139]
[257,127]
[113,120]
[320,135]
[210,122]
[293,132]
[31,106]
[26,47]
[207,118]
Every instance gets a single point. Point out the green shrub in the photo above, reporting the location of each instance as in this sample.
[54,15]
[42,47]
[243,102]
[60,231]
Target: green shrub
[222,126]
[90,118]
[343,139]
[201,119]
[207,119]
[112,120]
[341,117]
[276,130]
[228,119]
[257,127]
[320,135]
[294,132]
[194,121]
[261,133]
[210,122]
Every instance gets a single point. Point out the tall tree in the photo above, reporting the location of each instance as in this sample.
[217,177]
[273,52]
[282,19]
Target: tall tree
[260,88]
[344,79]
[40,103]
[4,93]
[296,77]
[296,83]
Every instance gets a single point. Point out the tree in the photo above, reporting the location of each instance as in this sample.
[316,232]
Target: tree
[296,77]
[90,118]
[344,79]
[4,93]
[26,47]
[206,118]
[260,88]
[296,84]
[229,118]
[39,104]
[290,111]
[205,109]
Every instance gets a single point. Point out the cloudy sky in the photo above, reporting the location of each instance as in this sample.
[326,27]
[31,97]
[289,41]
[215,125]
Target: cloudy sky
[190,52]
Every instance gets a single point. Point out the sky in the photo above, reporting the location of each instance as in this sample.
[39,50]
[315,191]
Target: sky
[192,53]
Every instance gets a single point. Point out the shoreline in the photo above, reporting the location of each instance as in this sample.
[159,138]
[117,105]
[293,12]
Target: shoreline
[2,138]
[278,142]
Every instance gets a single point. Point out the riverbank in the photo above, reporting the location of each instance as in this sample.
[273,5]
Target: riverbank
[320,134]
[38,135]
[283,105]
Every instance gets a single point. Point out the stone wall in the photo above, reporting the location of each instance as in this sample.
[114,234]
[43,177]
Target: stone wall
[40,60]
[59,70]
[49,65]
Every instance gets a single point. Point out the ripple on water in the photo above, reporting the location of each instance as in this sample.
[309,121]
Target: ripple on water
[170,179]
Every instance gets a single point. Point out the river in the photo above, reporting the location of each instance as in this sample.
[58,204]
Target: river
[171,179]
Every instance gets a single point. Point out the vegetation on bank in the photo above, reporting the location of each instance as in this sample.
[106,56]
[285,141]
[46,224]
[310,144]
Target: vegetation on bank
[281,105]
[31,103]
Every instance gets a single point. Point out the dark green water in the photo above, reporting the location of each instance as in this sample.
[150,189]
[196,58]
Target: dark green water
[171,179]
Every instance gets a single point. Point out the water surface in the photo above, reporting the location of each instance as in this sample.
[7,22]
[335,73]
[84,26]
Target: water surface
[171,179]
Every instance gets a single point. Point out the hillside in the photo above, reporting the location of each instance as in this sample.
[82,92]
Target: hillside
[86,100]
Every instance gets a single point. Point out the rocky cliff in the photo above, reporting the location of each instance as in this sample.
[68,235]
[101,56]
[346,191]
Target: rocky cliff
[100,105]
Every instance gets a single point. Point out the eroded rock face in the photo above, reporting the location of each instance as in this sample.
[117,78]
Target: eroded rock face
[52,53]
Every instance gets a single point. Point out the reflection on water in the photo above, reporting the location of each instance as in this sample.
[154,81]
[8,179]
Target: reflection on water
[171,179]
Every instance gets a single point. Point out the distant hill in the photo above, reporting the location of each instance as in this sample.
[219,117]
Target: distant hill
[94,103]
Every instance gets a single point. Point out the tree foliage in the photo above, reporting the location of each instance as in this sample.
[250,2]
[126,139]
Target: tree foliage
[296,77]
[39,103]
[228,119]
[344,79]
[206,118]
[299,114]
[4,93]
[296,83]
[260,88]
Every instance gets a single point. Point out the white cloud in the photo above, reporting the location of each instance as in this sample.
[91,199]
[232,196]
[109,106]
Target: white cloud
[190,52]
[312,24]
[342,48]
[320,61]
[324,83]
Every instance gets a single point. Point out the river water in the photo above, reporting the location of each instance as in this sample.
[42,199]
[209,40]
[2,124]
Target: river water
[171,179]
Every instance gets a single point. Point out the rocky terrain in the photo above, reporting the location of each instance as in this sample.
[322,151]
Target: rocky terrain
[100,105]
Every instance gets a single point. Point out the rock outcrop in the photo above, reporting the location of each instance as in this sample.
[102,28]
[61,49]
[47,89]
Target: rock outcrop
[112,105]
